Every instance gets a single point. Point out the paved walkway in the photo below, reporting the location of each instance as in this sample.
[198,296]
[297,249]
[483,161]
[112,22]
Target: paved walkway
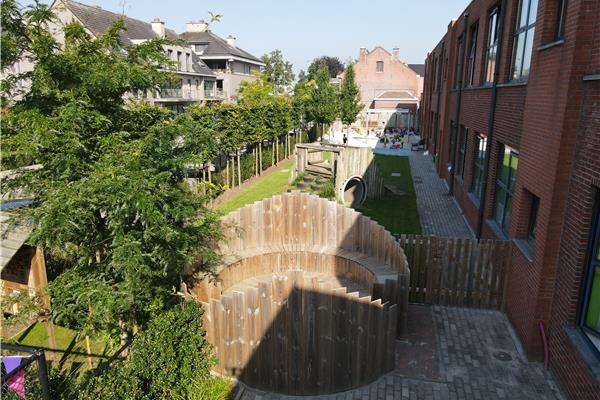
[451,353]
[439,213]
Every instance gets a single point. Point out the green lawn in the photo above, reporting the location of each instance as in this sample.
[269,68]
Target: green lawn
[270,185]
[397,213]
[37,336]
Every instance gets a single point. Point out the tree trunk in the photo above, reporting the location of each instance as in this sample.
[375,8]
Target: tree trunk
[277,149]
[273,155]
[239,168]
[203,180]
[232,172]
[88,349]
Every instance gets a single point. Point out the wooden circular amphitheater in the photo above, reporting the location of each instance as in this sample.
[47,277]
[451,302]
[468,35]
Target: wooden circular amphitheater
[308,299]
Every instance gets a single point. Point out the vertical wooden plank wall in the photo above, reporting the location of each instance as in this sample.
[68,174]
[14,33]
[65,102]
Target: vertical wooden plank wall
[300,337]
[457,272]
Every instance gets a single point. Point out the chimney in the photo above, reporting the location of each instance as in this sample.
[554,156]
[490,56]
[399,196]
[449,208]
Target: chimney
[158,27]
[362,54]
[196,26]
[231,40]
[395,53]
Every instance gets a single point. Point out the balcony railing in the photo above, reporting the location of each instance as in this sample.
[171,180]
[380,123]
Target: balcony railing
[170,93]
[214,94]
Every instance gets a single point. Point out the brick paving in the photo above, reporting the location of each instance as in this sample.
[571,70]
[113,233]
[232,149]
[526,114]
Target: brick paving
[438,211]
[473,355]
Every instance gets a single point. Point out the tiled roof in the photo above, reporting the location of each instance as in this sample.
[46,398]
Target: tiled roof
[98,21]
[217,46]
[418,68]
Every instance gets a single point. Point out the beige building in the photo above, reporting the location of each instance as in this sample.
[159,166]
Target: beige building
[191,70]
[389,89]
[230,63]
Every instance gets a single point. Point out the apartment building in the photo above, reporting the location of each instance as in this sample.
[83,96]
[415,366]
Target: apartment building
[192,73]
[511,111]
[231,64]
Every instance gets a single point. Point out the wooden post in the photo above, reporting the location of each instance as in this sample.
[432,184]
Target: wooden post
[260,158]
[88,349]
[227,169]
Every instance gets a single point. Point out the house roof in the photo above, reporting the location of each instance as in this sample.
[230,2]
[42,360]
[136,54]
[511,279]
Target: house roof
[418,68]
[396,95]
[217,46]
[98,21]
[13,235]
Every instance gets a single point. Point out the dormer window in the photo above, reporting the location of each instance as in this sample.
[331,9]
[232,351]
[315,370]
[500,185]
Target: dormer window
[200,47]
[379,66]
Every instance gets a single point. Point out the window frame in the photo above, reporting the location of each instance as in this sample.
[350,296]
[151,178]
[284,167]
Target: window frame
[463,141]
[532,223]
[560,21]
[472,57]
[493,42]
[459,60]
[377,64]
[478,165]
[528,30]
[504,186]
[592,262]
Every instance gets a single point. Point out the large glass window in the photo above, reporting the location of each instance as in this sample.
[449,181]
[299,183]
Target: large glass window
[506,175]
[590,318]
[492,46]
[379,66]
[479,165]
[463,140]
[523,40]
[472,56]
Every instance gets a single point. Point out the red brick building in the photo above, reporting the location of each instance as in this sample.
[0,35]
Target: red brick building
[511,111]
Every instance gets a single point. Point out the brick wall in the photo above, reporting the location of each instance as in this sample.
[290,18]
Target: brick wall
[552,121]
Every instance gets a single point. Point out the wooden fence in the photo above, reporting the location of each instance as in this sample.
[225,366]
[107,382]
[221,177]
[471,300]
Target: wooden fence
[298,336]
[457,272]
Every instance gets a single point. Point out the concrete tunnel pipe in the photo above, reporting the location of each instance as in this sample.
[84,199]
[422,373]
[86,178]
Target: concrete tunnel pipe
[354,191]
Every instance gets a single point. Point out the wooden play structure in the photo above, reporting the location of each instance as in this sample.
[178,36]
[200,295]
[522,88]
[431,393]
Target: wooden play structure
[309,298]
[353,168]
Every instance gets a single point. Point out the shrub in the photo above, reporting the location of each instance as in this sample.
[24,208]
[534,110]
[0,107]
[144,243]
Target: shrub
[163,362]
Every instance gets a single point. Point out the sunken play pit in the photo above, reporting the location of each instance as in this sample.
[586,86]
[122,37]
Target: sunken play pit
[309,298]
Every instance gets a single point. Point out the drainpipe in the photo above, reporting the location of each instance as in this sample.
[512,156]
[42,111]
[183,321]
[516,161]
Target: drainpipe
[454,133]
[491,118]
[438,86]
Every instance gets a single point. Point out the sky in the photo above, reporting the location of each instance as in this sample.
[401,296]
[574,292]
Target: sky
[304,30]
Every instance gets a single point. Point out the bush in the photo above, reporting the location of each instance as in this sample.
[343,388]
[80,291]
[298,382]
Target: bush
[164,360]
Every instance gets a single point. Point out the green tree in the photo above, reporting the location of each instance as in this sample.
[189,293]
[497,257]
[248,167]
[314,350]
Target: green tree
[278,71]
[110,193]
[324,102]
[350,104]
[334,66]
[301,102]
[256,91]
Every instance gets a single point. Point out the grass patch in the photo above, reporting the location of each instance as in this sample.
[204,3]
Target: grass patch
[267,186]
[397,213]
[213,388]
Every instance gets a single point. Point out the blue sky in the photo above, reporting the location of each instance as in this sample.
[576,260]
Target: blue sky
[306,29]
